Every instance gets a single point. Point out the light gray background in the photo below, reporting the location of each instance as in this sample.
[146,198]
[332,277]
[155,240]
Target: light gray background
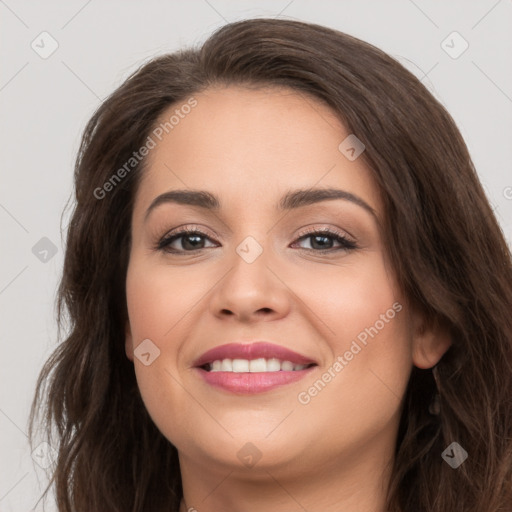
[46,102]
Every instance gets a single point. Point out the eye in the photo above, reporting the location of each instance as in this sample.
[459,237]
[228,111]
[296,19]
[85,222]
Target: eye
[188,239]
[321,240]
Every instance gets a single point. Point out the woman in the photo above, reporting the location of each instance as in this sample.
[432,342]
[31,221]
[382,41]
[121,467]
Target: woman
[286,291]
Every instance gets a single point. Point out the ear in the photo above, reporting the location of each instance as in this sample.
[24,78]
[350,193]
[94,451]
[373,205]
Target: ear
[128,343]
[430,341]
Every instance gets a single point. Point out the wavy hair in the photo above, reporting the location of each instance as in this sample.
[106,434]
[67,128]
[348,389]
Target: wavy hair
[445,244]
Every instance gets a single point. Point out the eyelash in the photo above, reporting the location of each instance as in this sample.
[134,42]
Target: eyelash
[346,243]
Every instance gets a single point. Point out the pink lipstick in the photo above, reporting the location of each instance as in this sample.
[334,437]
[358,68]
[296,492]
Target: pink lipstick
[252,367]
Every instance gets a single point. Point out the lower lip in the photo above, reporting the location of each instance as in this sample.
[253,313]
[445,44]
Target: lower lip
[249,383]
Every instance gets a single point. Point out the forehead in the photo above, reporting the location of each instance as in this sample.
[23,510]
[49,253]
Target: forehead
[240,142]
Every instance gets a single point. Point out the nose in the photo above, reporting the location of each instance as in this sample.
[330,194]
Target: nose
[251,291]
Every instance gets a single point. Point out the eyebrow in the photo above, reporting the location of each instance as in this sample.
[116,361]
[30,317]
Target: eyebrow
[292,200]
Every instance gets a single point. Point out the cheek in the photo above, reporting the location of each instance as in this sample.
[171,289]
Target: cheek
[349,298]
[364,320]
[157,298]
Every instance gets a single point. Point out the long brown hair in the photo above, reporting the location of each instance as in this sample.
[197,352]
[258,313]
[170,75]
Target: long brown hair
[447,250]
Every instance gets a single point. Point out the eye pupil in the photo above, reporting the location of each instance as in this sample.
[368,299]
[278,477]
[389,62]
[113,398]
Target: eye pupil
[193,245]
[322,245]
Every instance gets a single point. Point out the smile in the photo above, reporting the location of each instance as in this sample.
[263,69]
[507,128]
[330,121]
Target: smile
[254,365]
[244,377]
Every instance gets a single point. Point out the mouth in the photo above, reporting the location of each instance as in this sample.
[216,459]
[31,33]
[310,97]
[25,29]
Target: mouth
[252,368]
[261,355]
[260,365]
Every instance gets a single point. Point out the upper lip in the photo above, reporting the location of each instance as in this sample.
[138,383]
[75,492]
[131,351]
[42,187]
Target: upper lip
[253,350]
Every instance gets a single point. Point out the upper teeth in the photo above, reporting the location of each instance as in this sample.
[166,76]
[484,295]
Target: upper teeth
[254,365]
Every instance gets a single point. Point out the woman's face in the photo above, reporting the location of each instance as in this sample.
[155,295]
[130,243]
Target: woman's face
[258,272]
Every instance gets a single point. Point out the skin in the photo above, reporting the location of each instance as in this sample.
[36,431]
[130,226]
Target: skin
[249,147]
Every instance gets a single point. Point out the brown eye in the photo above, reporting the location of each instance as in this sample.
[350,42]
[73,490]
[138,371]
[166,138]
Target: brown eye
[189,240]
[323,240]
